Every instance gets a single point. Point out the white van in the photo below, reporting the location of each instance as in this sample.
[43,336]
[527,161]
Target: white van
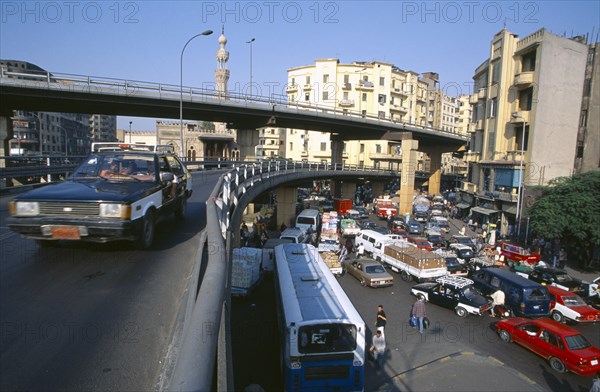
[295,234]
[373,241]
[309,219]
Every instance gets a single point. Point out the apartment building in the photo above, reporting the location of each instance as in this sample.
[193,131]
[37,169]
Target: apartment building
[371,89]
[526,111]
[51,133]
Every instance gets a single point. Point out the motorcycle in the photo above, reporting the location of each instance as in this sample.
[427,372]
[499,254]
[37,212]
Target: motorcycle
[500,311]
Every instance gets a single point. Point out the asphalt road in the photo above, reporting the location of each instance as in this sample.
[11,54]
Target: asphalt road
[256,354]
[94,316]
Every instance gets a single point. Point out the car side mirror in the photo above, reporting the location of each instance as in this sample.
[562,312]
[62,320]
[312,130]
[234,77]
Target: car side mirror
[166,176]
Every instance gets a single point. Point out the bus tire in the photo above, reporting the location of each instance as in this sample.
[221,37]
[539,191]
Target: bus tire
[405,276]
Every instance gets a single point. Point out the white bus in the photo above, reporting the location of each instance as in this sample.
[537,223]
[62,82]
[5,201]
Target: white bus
[322,334]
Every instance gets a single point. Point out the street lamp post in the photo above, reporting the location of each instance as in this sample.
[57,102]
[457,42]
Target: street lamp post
[66,145]
[129,131]
[520,188]
[250,42]
[207,32]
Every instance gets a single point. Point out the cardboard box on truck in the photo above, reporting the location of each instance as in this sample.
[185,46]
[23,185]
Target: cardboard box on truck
[415,257]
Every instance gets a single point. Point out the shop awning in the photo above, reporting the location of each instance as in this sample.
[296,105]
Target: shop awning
[510,210]
[483,211]
[463,205]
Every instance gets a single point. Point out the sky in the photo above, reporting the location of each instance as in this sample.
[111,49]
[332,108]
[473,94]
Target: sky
[143,40]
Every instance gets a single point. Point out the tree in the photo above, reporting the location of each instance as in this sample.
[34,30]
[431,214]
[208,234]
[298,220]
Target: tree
[569,209]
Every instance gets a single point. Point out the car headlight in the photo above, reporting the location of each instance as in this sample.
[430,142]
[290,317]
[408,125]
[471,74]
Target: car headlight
[25,208]
[114,210]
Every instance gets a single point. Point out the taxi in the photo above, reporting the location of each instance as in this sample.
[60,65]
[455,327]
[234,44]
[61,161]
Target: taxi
[119,192]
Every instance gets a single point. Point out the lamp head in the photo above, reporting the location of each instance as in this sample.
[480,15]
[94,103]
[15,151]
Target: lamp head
[207,32]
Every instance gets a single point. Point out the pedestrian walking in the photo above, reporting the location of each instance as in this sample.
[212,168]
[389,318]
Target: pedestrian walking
[596,383]
[562,258]
[360,251]
[378,349]
[462,230]
[418,310]
[381,320]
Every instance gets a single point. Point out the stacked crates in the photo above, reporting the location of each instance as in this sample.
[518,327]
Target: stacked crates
[246,264]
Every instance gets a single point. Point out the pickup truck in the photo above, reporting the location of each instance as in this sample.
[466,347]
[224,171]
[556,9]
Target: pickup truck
[414,263]
[349,228]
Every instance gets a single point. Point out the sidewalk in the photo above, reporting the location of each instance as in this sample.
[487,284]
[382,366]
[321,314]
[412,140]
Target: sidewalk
[441,375]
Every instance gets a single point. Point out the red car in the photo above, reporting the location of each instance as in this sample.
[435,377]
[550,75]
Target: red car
[564,347]
[513,254]
[570,306]
[421,243]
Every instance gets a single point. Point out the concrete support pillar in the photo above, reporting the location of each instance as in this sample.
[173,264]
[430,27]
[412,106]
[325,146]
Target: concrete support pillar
[435,168]
[376,189]
[348,190]
[286,205]
[337,149]
[247,140]
[6,134]
[407,180]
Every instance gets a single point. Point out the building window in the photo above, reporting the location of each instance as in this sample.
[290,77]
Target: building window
[493,103]
[345,95]
[325,95]
[291,146]
[495,71]
[519,138]
[381,81]
[308,79]
[528,62]
[378,148]
[583,119]
[587,87]
[323,146]
[381,99]
[364,97]
[293,81]
[326,78]
[381,114]
[526,99]
[346,78]
[307,97]
[362,148]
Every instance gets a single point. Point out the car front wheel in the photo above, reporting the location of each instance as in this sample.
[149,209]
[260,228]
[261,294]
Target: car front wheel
[557,365]
[363,282]
[558,317]
[146,236]
[461,312]
[504,336]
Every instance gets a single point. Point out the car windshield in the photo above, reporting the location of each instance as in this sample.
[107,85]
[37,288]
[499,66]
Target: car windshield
[374,269]
[464,240]
[577,342]
[452,262]
[117,167]
[573,300]
[471,292]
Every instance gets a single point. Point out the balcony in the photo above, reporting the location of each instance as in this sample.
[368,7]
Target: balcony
[473,99]
[524,79]
[481,94]
[520,116]
[399,91]
[398,108]
[347,86]
[307,87]
[468,187]
[493,91]
[514,156]
[364,85]
[471,156]
[292,88]
[345,103]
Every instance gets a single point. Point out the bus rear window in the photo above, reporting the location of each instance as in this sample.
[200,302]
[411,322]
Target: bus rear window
[327,338]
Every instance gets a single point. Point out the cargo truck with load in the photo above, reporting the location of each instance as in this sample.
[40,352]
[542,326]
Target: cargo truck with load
[412,262]
[342,206]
